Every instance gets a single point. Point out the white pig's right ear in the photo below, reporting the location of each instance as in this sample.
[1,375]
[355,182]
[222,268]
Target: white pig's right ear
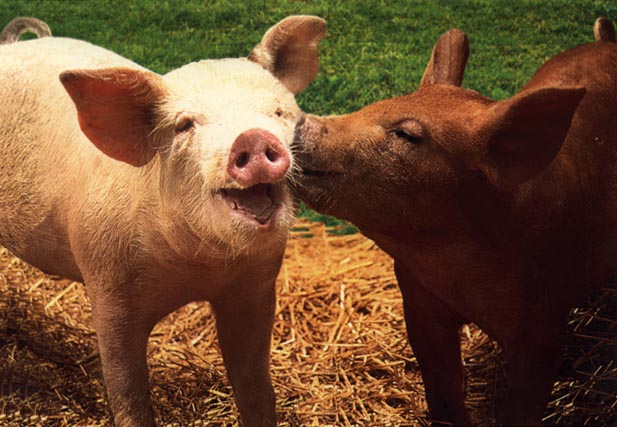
[116,109]
[448,60]
[289,50]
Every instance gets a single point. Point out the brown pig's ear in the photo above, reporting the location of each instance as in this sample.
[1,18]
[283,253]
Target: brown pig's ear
[604,30]
[448,60]
[289,50]
[525,133]
[116,109]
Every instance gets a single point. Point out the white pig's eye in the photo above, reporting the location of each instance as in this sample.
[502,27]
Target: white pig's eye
[279,112]
[184,122]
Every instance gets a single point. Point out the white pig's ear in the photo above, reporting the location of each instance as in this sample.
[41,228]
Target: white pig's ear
[523,134]
[289,50]
[448,60]
[116,109]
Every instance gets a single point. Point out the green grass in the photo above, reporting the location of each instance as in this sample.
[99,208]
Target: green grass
[374,49]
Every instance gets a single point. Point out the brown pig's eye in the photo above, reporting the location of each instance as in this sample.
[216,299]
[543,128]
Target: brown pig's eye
[184,122]
[410,131]
[414,139]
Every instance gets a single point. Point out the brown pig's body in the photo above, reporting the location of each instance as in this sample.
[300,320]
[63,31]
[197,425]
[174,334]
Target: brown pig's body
[499,213]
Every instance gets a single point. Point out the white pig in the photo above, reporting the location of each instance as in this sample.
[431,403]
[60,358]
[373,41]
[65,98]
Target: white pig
[156,191]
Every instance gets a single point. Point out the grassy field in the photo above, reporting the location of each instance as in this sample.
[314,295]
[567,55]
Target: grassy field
[374,49]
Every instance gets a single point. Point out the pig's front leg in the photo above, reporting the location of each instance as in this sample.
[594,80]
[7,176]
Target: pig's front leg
[533,356]
[122,330]
[244,319]
[432,329]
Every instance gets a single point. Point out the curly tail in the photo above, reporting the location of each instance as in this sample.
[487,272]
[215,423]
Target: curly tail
[20,25]
[603,30]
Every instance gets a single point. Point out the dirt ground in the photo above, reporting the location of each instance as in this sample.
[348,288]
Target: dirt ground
[339,351]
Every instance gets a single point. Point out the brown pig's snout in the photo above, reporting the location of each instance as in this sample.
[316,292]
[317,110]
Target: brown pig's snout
[315,146]
[309,130]
[257,157]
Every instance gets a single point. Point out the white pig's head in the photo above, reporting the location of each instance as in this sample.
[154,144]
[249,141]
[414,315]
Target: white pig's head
[217,131]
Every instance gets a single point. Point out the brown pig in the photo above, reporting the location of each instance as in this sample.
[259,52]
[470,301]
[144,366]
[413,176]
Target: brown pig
[501,213]
[156,190]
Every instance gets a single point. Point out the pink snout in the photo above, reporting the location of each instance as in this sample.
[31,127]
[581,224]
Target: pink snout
[257,157]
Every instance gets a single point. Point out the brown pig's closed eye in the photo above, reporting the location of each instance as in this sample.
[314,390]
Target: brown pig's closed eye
[409,130]
[403,134]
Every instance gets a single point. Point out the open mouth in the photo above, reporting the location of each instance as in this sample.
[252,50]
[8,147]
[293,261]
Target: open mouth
[258,203]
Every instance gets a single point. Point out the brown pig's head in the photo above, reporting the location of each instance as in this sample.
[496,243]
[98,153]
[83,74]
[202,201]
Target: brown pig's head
[416,162]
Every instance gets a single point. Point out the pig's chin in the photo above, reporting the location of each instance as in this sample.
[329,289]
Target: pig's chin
[316,188]
[259,206]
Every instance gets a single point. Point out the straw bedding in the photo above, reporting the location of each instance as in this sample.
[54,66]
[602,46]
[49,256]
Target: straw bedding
[339,352]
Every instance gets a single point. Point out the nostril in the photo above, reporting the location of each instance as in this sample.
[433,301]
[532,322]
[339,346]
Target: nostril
[272,155]
[243,159]
[257,157]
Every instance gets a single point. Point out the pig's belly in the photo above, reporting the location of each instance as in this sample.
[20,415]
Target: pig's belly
[37,238]
[58,261]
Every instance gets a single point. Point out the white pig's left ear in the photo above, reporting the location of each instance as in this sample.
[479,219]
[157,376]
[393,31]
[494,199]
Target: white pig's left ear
[289,50]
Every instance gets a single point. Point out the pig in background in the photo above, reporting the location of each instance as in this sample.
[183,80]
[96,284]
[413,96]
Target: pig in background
[156,191]
[499,213]
[21,25]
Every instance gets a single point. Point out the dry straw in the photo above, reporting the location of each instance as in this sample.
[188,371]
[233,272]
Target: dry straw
[339,352]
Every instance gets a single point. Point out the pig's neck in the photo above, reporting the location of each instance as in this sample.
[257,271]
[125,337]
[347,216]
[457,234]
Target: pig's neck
[163,228]
[524,243]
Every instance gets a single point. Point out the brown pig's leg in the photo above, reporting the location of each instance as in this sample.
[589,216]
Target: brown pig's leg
[532,363]
[244,319]
[432,329]
[122,338]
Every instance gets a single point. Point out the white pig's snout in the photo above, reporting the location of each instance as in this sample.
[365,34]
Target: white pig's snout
[257,157]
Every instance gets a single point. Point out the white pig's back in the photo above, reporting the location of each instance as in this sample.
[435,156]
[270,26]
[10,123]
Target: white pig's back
[44,157]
